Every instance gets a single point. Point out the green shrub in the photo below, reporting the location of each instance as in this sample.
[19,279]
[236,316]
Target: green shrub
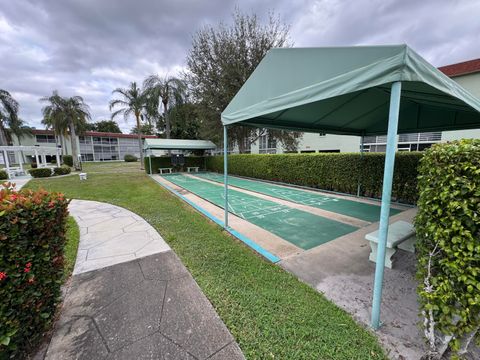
[41,172]
[3,175]
[67,160]
[130,158]
[166,161]
[62,170]
[32,238]
[335,172]
[448,239]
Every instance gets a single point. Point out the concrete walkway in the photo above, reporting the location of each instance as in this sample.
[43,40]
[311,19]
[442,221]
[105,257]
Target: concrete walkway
[132,298]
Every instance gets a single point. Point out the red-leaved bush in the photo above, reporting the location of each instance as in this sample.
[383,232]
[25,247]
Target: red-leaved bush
[32,239]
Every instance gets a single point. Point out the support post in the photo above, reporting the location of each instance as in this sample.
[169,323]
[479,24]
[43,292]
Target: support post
[150,163]
[36,158]
[362,140]
[386,198]
[225,174]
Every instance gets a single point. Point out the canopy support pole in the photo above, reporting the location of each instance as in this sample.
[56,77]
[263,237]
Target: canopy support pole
[225,174]
[386,198]
[362,140]
[150,161]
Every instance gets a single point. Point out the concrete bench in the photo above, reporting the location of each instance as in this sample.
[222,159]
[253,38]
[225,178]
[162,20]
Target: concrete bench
[168,170]
[401,234]
[194,168]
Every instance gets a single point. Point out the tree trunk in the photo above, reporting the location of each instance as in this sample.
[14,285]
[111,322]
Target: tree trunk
[140,145]
[73,138]
[3,135]
[167,120]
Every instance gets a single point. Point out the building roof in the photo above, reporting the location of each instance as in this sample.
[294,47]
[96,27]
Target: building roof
[178,144]
[96,133]
[462,68]
[346,90]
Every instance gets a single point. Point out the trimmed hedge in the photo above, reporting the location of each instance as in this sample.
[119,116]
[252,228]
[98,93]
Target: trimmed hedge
[3,175]
[67,160]
[62,170]
[40,172]
[448,239]
[32,238]
[335,172]
[166,161]
[130,158]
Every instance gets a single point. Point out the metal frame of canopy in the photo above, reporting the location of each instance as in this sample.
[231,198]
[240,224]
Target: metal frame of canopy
[40,153]
[304,89]
[386,195]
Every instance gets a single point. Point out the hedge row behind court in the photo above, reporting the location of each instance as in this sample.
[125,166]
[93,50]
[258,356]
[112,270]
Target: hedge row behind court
[336,172]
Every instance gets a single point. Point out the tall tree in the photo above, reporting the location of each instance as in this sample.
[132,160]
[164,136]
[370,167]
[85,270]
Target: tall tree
[146,129]
[169,90]
[132,101]
[104,126]
[9,120]
[221,59]
[71,112]
[184,121]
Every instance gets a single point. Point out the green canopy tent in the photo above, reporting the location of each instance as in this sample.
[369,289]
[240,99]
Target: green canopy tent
[368,90]
[156,146]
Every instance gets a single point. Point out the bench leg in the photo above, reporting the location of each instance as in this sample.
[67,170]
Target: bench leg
[409,244]
[388,254]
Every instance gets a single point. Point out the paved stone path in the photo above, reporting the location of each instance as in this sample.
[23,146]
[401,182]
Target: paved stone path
[132,298]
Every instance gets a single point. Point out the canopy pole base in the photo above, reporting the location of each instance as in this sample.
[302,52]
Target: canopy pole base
[225,174]
[386,199]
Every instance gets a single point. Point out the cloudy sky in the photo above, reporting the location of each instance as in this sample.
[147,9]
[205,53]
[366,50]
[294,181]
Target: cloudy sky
[90,47]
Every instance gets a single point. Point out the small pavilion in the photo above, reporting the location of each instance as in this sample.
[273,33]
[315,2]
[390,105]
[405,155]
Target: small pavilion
[157,147]
[40,153]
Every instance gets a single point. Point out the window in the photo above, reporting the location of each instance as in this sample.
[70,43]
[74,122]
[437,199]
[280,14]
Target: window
[45,139]
[267,145]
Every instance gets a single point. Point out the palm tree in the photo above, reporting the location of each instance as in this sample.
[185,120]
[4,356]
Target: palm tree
[132,101]
[59,127]
[67,112]
[169,90]
[8,118]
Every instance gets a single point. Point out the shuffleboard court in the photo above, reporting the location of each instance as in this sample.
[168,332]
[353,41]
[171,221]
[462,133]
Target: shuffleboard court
[298,227]
[356,209]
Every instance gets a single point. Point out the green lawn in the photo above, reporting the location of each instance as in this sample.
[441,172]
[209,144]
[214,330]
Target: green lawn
[71,246]
[271,314]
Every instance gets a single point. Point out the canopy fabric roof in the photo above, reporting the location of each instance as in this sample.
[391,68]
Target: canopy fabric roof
[178,144]
[346,90]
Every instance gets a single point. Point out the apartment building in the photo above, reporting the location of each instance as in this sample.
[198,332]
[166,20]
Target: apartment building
[92,145]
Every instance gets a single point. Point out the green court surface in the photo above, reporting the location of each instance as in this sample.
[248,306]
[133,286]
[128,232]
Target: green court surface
[302,229]
[359,210]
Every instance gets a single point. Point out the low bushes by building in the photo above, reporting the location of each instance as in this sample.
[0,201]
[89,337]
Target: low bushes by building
[130,158]
[67,160]
[32,238]
[3,175]
[335,172]
[41,172]
[166,162]
[448,242]
[62,170]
